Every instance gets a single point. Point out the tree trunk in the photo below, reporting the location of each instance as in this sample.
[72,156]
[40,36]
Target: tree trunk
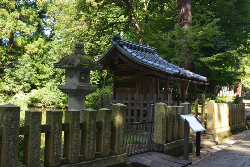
[185,18]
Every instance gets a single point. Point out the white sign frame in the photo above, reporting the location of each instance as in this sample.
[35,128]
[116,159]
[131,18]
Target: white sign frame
[194,124]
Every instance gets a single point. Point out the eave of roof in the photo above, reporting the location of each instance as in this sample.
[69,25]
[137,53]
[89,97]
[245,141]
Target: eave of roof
[147,56]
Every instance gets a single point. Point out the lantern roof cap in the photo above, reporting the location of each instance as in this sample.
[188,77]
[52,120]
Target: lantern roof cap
[78,60]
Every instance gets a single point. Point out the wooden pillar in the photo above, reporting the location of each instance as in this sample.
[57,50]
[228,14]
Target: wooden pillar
[156,83]
[183,98]
[150,88]
[114,87]
[165,89]
[138,87]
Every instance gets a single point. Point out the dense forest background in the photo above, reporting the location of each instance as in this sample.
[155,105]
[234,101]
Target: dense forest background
[35,34]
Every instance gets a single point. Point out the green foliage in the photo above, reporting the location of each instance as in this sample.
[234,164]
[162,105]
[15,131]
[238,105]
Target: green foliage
[101,78]
[217,43]
[224,99]
[93,100]
[20,150]
[26,57]
[48,96]
[220,99]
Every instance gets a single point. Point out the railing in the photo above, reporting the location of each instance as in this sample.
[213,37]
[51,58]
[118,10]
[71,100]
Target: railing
[138,137]
[100,134]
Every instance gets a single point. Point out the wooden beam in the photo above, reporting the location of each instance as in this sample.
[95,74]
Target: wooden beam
[183,96]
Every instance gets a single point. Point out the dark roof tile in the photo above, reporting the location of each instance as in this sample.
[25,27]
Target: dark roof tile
[149,57]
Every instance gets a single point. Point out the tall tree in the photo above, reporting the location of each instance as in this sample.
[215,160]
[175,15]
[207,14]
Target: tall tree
[24,51]
[185,18]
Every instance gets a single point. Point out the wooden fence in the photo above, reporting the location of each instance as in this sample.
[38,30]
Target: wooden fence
[99,135]
[138,108]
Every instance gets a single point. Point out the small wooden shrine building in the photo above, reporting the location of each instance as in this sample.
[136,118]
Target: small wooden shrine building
[138,68]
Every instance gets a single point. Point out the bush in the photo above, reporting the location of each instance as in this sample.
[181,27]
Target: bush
[48,96]
[220,99]
[93,100]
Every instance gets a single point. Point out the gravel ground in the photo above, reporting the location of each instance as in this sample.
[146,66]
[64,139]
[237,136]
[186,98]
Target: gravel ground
[227,142]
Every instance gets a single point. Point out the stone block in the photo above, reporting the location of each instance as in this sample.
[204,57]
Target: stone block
[187,108]
[88,142]
[72,136]
[180,111]
[175,123]
[104,116]
[9,121]
[32,141]
[210,124]
[160,123]
[169,127]
[53,139]
[119,119]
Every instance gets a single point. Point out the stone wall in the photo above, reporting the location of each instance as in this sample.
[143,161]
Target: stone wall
[223,119]
[169,127]
[96,141]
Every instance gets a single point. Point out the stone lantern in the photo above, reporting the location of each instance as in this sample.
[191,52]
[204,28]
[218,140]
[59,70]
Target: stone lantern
[77,77]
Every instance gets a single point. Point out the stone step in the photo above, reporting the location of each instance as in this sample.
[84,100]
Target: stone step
[156,159]
[208,143]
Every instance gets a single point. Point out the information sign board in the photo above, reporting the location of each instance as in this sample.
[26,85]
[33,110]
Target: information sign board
[194,124]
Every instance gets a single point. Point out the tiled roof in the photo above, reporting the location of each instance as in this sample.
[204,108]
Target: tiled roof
[148,56]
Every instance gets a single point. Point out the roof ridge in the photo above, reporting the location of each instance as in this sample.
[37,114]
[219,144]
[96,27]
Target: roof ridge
[132,45]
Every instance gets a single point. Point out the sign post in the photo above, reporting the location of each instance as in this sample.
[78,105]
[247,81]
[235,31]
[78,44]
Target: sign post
[194,124]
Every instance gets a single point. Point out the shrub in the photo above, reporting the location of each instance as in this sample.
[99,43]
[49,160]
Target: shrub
[93,100]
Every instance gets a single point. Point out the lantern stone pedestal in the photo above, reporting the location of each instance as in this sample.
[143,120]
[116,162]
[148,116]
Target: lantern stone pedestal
[77,77]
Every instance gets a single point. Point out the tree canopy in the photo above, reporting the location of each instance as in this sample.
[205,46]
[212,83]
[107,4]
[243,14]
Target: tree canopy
[35,34]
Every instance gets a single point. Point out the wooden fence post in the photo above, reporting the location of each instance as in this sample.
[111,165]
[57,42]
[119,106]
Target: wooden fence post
[72,136]
[243,112]
[129,108]
[32,141]
[53,139]
[169,98]
[135,108]
[196,106]
[230,113]
[9,121]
